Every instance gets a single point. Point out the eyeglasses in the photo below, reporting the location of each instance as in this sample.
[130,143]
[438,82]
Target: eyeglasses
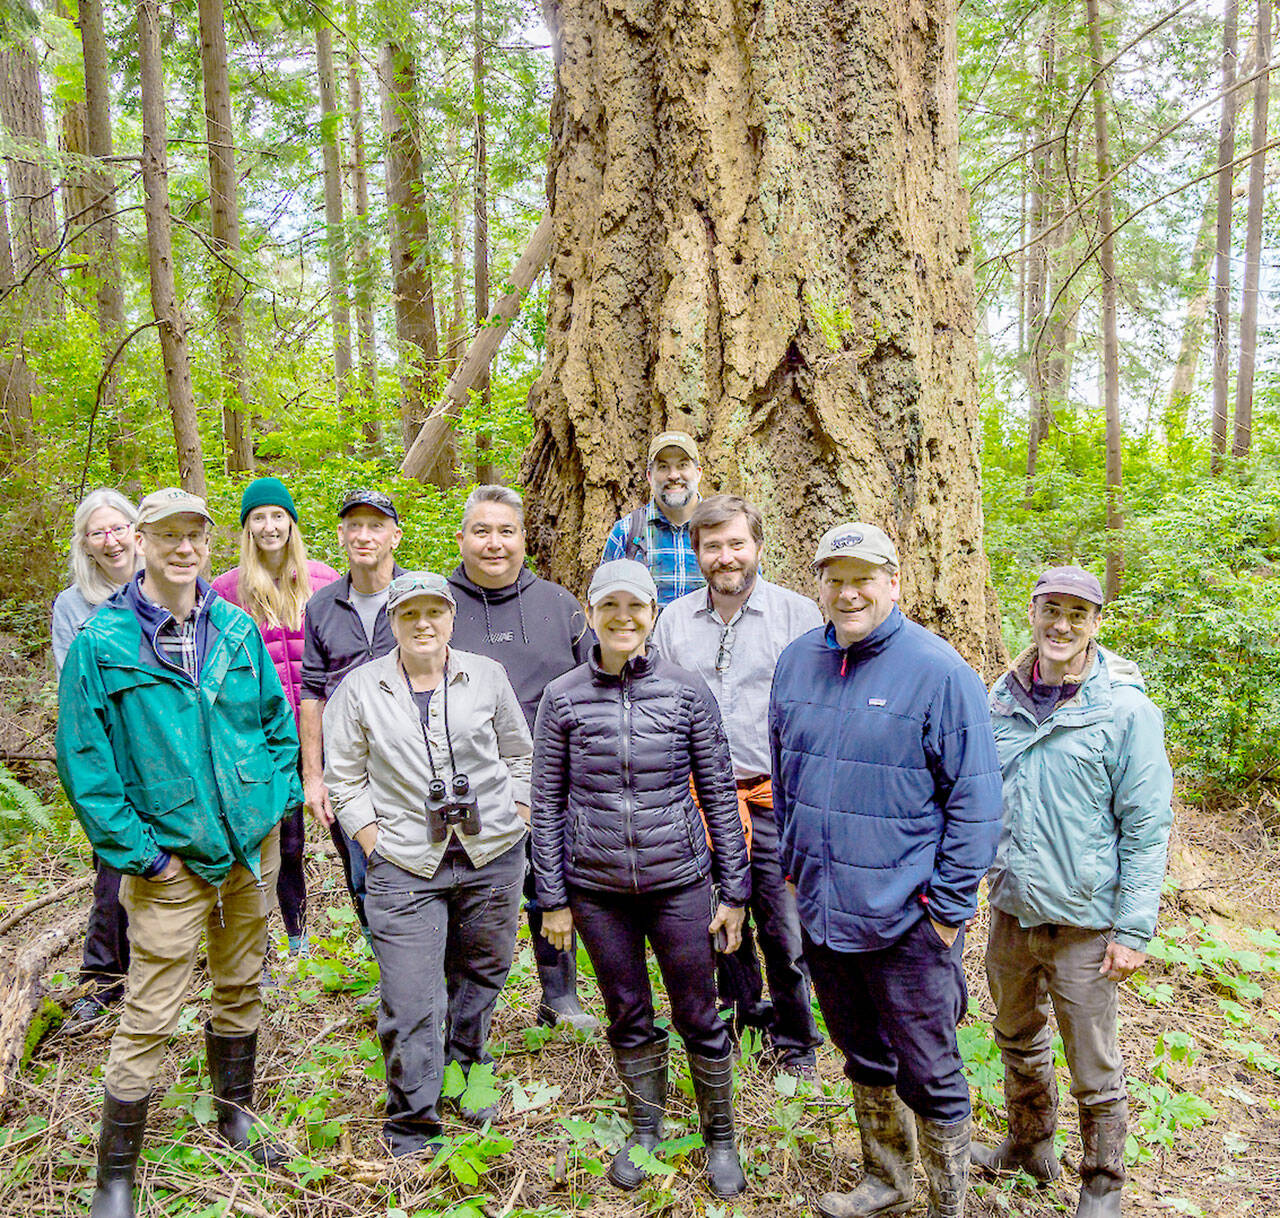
[725,654]
[99,536]
[1077,619]
[171,539]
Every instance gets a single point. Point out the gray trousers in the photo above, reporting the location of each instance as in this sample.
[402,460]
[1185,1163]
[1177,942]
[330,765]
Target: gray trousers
[444,947]
[1029,970]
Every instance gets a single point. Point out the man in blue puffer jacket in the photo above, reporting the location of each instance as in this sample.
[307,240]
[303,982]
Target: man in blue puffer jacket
[1076,884]
[886,792]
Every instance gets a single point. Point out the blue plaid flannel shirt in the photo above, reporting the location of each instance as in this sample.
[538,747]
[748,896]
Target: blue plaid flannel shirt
[666,549]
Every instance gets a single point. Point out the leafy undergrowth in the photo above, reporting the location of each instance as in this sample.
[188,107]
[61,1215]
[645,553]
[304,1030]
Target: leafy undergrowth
[1200,1035]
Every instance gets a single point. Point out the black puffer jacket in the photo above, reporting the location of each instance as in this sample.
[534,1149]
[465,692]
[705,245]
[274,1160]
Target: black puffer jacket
[612,809]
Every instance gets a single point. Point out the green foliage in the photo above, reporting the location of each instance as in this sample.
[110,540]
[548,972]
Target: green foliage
[21,812]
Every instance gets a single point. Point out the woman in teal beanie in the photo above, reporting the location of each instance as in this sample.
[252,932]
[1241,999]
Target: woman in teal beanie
[272,583]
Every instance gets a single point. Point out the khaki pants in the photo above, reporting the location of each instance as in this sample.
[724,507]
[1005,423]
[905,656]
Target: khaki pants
[1029,969]
[166,918]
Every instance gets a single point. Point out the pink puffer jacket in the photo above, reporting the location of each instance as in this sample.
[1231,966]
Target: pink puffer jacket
[283,645]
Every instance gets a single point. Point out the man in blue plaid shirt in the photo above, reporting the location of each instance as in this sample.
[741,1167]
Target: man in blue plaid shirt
[657,533]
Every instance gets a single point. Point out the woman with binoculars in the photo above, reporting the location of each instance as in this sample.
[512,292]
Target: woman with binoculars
[427,763]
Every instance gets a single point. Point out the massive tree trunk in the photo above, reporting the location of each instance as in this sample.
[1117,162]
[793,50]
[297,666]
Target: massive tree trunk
[1243,431]
[224,214]
[75,187]
[1110,342]
[164,292]
[761,237]
[1222,245]
[334,237]
[102,236]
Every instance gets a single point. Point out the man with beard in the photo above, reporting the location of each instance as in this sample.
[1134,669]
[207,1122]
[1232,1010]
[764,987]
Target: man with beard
[657,532]
[731,635]
[536,630]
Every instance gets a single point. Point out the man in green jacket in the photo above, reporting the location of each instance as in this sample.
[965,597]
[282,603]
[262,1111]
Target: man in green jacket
[178,751]
[1075,888]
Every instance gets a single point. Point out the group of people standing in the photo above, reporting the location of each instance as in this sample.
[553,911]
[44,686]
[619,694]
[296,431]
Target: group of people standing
[698,753]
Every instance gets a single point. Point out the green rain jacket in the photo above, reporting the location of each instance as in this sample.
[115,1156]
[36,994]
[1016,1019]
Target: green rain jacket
[1086,804]
[152,762]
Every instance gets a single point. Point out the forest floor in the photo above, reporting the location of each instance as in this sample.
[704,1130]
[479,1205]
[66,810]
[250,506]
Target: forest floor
[1200,1029]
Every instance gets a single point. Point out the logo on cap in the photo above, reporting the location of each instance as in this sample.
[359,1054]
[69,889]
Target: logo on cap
[849,539]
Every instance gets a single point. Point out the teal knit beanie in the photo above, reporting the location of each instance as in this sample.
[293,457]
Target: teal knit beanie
[266,492]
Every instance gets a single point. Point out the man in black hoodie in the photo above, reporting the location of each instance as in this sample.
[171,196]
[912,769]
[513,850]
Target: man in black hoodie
[536,630]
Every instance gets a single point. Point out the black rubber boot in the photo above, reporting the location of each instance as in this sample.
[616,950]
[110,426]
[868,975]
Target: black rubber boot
[1103,1130]
[713,1086]
[119,1144]
[944,1153]
[643,1073]
[1032,1102]
[231,1060]
[558,973]
[887,1130]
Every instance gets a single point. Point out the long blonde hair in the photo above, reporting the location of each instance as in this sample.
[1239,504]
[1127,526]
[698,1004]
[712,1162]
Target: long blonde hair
[94,586]
[267,602]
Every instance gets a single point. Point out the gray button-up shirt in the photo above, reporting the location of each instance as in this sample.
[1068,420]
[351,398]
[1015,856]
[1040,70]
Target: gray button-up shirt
[737,664]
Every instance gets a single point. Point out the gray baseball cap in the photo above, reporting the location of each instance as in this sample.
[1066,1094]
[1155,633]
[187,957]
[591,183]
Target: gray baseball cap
[621,575]
[857,539]
[1069,581]
[418,583]
[171,501]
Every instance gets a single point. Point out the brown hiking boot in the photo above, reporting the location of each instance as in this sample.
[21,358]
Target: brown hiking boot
[887,1130]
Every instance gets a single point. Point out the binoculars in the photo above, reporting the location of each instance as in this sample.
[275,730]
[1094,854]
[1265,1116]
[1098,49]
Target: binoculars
[451,804]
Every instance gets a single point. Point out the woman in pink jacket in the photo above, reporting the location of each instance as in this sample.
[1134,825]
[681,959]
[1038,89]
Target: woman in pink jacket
[272,584]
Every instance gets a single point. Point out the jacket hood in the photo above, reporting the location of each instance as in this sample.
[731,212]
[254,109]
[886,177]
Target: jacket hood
[462,582]
[1122,671]
[1106,672]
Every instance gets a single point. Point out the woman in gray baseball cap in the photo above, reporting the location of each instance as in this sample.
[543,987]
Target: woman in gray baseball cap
[621,853]
[428,757]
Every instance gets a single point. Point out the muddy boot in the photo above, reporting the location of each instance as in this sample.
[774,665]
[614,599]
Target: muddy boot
[944,1152]
[558,972]
[887,1131]
[713,1086]
[1103,1130]
[1033,1116]
[231,1060]
[643,1074]
[119,1144]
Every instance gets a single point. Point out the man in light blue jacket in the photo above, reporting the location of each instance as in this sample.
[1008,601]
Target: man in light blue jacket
[1075,888]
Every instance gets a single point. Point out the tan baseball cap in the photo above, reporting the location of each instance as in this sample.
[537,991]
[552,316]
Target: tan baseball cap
[171,501]
[857,539]
[674,439]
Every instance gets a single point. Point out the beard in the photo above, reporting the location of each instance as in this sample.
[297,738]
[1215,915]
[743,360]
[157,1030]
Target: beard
[732,583]
[677,495]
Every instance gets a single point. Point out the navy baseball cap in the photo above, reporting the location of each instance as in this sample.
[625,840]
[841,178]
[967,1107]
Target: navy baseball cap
[380,501]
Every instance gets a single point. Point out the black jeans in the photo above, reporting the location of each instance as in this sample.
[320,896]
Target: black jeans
[444,947]
[291,883]
[614,926]
[893,1014]
[354,867]
[106,941]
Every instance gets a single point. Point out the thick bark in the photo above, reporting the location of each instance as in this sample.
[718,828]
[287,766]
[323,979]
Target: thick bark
[22,986]
[224,214]
[361,286]
[1222,242]
[1110,342]
[75,187]
[1243,431]
[761,236]
[410,254]
[164,292]
[102,209]
[1188,362]
[334,239]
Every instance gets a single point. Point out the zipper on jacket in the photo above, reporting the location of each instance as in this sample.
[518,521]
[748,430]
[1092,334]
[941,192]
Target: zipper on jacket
[624,712]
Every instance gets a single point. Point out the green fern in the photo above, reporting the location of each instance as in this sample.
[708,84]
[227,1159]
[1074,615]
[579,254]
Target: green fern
[21,811]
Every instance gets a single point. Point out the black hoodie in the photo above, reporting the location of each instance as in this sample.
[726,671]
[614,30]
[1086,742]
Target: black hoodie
[535,629]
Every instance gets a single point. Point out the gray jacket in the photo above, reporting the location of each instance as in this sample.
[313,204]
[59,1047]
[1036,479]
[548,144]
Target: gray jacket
[376,761]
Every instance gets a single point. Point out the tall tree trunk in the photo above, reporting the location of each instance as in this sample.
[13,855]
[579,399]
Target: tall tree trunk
[75,187]
[1188,362]
[1110,342]
[102,203]
[480,225]
[1243,431]
[1038,274]
[334,238]
[1222,242]
[410,253]
[456,333]
[164,292]
[224,213]
[361,280]
[761,237]
[15,388]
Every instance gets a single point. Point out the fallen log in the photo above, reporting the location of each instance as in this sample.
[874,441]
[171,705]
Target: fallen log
[21,989]
[12,920]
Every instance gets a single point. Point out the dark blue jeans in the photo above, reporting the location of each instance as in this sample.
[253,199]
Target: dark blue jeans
[444,946]
[353,867]
[106,941]
[893,1014]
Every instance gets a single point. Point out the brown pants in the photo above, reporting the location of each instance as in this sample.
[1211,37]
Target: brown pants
[166,918]
[1029,969]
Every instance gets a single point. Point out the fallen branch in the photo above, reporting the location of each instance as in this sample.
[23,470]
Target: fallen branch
[49,898]
[21,989]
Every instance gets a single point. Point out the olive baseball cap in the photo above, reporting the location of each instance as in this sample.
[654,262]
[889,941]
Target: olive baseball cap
[418,583]
[171,501]
[621,575]
[1069,581]
[857,539]
[674,439]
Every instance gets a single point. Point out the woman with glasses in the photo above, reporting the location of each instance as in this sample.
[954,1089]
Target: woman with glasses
[427,764]
[103,560]
[272,584]
[621,854]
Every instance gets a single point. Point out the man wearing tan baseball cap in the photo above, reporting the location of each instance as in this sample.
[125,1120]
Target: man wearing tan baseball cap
[657,533]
